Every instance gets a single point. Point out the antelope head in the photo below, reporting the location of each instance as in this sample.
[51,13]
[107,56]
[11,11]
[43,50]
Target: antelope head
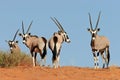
[91,30]
[61,30]
[12,43]
[24,35]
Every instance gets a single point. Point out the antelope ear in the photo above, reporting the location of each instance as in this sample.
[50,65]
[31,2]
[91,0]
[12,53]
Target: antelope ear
[16,41]
[20,34]
[88,29]
[98,29]
[29,33]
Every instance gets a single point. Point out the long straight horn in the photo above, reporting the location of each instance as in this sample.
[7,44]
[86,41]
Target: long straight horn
[23,28]
[29,26]
[59,25]
[56,23]
[15,34]
[98,20]
[90,21]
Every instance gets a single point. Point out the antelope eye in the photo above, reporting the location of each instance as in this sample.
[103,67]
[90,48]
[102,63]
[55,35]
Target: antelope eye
[98,29]
[88,29]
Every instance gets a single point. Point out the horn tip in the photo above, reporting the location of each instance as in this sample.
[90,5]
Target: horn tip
[51,17]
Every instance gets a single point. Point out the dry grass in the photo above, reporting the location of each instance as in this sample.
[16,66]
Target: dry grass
[17,59]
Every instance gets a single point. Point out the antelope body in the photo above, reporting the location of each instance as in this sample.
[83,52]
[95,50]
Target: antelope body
[99,44]
[35,44]
[55,43]
[14,48]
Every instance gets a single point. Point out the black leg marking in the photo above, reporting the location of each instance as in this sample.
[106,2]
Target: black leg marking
[103,65]
[35,58]
[97,58]
[94,55]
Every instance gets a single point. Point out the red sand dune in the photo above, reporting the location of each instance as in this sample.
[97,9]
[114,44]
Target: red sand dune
[63,73]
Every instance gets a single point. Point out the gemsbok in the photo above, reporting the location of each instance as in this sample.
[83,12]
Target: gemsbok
[35,44]
[99,44]
[14,48]
[55,43]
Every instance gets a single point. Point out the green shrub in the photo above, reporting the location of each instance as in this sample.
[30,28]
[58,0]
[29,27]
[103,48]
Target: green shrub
[16,59]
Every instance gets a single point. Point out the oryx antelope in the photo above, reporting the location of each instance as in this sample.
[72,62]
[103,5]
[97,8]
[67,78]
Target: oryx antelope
[35,44]
[99,44]
[55,43]
[14,48]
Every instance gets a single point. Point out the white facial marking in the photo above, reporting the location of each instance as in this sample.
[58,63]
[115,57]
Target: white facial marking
[93,38]
[93,32]
[11,48]
[12,42]
[26,35]
[23,41]
[68,40]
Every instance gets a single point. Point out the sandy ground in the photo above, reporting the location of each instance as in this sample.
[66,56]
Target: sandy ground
[63,73]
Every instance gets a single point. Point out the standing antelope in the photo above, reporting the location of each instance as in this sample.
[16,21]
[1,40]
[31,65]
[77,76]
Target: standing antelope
[99,44]
[55,43]
[14,48]
[35,44]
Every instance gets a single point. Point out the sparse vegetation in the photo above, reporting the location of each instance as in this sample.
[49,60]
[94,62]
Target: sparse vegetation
[17,59]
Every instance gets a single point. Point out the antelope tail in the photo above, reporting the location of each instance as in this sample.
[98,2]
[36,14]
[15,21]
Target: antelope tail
[45,48]
[55,48]
[108,56]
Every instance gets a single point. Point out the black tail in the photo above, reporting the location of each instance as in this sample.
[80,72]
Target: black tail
[45,48]
[108,56]
[55,48]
